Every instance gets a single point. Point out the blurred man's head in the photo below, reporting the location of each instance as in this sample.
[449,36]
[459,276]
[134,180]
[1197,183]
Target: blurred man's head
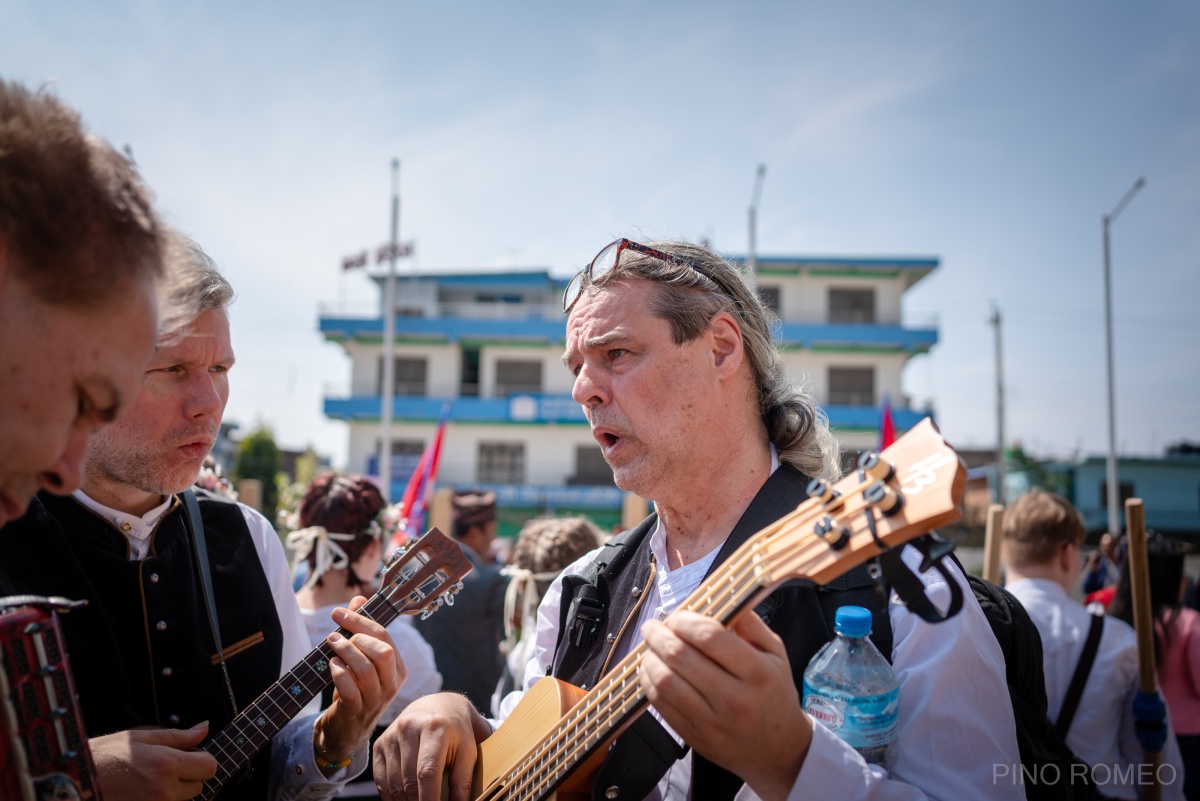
[475,520]
[158,446]
[1043,538]
[81,257]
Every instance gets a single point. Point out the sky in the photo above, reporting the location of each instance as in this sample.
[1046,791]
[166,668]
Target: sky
[994,137]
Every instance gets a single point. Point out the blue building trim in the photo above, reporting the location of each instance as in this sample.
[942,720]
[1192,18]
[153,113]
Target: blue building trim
[554,331]
[528,279]
[447,329]
[542,409]
[857,335]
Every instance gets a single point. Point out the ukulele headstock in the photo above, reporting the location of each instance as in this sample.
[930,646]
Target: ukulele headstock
[913,486]
[424,575]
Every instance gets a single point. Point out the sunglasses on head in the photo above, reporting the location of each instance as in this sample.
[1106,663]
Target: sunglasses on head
[606,261]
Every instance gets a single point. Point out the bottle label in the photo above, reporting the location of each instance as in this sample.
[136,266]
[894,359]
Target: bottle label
[860,721]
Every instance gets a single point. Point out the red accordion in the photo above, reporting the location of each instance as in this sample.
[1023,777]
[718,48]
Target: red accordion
[43,749]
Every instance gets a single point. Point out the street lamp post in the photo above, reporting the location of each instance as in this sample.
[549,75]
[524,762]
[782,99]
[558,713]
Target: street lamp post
[1113,487]
[751,255]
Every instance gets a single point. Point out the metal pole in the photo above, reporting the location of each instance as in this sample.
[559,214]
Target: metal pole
[389,344]
[1113,486]
[1001,455]
[752,255]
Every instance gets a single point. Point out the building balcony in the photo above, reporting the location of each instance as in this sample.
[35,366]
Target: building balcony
[890,337]
[560,409]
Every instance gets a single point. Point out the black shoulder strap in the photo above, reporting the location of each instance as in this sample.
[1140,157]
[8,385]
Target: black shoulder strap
[1080,677]
[195,526]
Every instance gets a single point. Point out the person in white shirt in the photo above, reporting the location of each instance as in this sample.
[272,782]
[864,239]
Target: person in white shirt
[1042,553]
[675,367]
[341,541]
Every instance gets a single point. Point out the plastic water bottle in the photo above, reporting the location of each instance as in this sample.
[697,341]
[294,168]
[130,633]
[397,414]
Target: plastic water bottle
[851,689]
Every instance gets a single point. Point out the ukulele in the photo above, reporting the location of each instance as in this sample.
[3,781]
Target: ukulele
[418,579]
[557,737]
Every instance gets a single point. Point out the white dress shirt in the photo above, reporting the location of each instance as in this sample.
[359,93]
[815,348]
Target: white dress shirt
[294,771]
[955,718]
[1102,733]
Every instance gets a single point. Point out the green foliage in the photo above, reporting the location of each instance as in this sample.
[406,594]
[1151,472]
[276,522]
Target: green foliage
[1036,473]
[258,457]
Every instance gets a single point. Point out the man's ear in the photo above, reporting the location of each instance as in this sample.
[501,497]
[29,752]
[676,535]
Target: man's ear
[727,346]
[1065,556]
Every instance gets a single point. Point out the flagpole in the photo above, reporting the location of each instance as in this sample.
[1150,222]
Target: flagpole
[389,345]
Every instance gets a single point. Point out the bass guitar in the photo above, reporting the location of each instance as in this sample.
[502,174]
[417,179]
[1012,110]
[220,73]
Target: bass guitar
[417,580]
[558,736]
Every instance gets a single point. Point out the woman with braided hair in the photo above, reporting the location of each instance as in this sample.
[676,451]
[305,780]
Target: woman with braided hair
[341,540]
[544,547]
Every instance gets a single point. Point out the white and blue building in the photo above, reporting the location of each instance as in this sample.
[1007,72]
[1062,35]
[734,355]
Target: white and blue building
[489,344]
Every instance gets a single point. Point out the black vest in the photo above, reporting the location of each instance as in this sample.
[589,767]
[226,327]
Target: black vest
[792,611]
[142,651]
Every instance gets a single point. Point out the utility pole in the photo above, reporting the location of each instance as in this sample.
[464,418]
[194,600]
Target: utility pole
[751,255]
[1114,507]
[1001,454]
[389,343]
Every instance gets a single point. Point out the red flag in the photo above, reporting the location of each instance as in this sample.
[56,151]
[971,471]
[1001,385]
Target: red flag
[411,512]
[887,431]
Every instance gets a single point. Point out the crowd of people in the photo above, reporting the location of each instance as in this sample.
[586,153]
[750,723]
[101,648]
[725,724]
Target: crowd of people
[116,373]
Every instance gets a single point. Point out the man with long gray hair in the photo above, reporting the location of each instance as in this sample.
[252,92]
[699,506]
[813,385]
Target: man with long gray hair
[153,682]
[676,370]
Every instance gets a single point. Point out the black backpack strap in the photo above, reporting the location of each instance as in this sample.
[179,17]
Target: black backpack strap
[859,587]
[195,526]
[1079,680]
[579,619]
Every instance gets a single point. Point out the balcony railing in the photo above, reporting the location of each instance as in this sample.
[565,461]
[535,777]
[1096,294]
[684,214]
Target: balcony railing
[553,311]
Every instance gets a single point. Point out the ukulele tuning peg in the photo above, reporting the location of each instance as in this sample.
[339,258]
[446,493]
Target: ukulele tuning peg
[874,467]
[821,490]
[834,535]
[883,497]
[395,557]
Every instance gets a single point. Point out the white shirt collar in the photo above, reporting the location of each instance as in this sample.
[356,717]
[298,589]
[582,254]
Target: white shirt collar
[136,529]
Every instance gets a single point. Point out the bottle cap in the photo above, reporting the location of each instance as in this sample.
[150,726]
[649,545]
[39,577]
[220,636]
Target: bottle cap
[852,621]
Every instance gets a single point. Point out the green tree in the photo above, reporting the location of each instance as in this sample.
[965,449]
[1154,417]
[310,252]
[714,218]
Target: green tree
[258,457]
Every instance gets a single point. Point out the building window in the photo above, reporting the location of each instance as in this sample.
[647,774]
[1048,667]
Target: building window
[517,377]
[502,462]
[409,379]
[851,305]
[406,453]
[852,386]
[1124,492]
[469,385]
[590,468]
[769,295]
